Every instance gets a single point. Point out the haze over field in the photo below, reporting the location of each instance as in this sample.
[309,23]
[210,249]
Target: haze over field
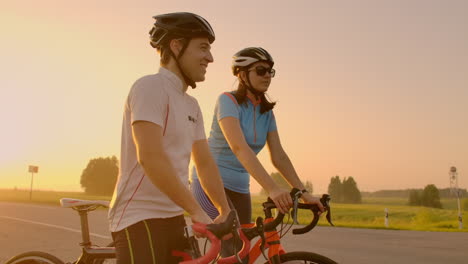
[376,90]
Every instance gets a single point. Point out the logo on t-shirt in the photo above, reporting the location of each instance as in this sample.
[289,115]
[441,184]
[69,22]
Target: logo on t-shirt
[191,118]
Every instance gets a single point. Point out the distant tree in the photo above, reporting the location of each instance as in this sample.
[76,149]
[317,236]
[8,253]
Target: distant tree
[430,197]
[279,180]
[100,175]
[450,193]
[309,187]
[335,189]
[415,198]
[351,193]
[404,193]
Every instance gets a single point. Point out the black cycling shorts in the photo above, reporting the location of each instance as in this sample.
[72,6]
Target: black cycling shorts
[151,241]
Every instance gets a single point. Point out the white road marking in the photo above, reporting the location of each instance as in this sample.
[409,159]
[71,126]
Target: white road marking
[54,226]
[31,205]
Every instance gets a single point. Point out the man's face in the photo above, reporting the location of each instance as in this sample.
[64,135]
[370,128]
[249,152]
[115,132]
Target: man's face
[195,59]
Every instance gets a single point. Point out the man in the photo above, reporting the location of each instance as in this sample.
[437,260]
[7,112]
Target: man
[162,128]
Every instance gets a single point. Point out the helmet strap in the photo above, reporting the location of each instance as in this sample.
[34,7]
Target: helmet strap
[249,87]
[187,80]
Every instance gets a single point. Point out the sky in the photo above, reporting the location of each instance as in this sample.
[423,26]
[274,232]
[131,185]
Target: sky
[372,89]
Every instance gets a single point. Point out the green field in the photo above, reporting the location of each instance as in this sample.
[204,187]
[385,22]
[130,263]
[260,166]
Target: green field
[369,214]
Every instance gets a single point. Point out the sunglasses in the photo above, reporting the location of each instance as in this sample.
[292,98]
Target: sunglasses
[261,71]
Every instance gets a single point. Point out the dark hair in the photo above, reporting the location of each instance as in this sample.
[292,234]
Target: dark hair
[165,50]
[241,97]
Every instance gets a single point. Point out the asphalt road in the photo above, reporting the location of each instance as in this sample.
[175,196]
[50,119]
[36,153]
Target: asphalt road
[26,227]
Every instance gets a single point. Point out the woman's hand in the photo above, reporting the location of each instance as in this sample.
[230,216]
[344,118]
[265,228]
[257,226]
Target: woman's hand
[282,200]
[309,199]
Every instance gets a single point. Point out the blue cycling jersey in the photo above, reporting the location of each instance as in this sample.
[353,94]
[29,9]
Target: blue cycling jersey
[255,127]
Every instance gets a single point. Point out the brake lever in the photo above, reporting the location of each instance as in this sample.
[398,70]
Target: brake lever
[236,237]
[294,211]
[261,233]
[295,195]
[325,200]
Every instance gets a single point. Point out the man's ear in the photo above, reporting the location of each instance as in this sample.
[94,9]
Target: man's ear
[176,46]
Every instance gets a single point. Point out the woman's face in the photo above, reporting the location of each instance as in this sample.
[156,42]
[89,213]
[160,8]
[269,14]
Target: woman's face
[258,81]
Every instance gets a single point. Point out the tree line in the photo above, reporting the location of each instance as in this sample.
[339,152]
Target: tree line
[443,192]
[100,175]
[428,197]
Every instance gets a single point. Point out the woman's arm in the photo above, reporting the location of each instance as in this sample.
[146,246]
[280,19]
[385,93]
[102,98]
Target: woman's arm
[281,161]
[233,133]
[209,177]
[283,164]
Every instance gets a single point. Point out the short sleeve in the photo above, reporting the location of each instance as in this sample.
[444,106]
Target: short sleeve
[227,106]
[148,101]
[200,128]
[272,126]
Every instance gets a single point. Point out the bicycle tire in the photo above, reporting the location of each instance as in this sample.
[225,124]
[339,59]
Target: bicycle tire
[34,257]
[304,257]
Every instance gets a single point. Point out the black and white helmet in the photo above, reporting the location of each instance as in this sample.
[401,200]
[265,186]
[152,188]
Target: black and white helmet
[244,58]
[180,24]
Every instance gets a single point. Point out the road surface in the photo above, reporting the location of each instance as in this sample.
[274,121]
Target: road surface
[25,227]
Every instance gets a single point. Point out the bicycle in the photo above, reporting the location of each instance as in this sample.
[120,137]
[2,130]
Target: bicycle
[270,238]
[92,254]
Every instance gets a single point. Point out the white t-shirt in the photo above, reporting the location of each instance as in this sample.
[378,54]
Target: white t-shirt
[160,99]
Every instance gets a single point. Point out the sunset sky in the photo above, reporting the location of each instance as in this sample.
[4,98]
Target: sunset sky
[376,90]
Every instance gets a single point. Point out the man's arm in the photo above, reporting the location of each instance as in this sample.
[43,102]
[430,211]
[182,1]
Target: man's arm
[209,177]
[157,166]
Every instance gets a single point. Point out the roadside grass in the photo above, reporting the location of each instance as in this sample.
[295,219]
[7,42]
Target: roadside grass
[369,214]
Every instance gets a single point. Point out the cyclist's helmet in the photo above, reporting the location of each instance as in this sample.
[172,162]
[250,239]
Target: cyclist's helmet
[248,56]
[180,24]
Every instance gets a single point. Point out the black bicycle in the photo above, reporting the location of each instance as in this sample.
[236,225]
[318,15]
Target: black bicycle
[91,254]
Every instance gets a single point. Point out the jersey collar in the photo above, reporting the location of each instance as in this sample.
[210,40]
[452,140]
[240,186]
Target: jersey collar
[173,78]
[253,101]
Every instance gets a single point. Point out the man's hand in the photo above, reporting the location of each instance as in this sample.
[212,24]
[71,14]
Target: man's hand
[200,217]
[309,199]
[221,218]
[282,200]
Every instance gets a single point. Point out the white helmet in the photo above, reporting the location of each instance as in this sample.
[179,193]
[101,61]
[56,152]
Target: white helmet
[248,56]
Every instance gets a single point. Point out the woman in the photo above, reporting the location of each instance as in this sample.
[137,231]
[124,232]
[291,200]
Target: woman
[243,123]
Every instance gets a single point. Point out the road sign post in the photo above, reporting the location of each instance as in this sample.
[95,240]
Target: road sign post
[456,191]
[32,169]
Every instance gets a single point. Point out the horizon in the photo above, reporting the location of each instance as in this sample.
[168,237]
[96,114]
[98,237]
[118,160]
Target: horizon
[376,90]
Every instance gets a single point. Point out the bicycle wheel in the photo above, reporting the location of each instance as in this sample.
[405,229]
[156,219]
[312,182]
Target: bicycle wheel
[305,258]
[34,257]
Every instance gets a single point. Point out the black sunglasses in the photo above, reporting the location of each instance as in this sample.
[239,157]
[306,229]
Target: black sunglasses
[261,71]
